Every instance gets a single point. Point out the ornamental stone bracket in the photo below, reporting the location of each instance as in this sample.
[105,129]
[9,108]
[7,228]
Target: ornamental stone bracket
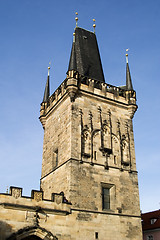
[72,88]
[132,109]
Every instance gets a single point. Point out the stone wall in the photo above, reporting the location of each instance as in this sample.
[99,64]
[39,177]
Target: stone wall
[24,216]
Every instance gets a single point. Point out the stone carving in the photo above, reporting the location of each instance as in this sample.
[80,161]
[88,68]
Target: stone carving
[86,145]
[37,195]
[116,148]
[106,137]
[16,192]
[103,140]
[59,198]
[72,88]
[125,152]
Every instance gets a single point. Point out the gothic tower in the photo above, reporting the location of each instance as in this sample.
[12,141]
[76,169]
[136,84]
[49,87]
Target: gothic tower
[88,150]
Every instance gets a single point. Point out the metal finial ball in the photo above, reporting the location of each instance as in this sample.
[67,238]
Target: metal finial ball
[76,13]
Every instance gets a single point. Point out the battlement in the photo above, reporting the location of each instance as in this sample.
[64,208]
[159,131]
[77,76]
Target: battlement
[75,84]
[57,204]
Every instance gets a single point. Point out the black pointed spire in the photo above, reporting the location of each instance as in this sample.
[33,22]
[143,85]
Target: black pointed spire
[72,62]
[85,57]
[47,89]
[129,85]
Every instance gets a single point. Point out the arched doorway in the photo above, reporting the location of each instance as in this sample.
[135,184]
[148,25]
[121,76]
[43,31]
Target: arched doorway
[32,233]
[32,238]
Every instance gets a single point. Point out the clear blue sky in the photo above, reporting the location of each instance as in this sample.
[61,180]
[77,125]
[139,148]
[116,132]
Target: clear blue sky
[34,32]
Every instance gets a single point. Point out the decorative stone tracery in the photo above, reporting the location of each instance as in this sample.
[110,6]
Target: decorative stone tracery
[103,141]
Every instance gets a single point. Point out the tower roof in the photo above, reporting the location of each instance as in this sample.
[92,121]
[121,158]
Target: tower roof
[46,91]
[85,57]
[129,85]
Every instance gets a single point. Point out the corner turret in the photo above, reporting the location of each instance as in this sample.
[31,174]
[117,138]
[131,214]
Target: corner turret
[47,89]
[45,101]
[129,85]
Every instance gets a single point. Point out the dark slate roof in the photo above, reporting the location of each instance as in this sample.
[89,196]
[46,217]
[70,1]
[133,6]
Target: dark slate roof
[85,57]
[46,91]
[129,85]
[147,224]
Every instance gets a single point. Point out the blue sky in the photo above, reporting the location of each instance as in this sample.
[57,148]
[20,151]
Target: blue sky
[34,32]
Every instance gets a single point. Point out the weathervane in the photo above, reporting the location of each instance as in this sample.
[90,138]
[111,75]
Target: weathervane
[127,55]
[49,68]
[94,25]
[76,19]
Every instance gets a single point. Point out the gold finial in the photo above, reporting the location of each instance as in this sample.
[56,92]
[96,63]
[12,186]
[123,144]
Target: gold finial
[49,68]
[74,34]
[76,19]
[127,55]
[94,25]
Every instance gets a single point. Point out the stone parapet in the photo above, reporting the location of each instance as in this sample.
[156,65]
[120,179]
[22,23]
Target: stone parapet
[74,85]
[57,204]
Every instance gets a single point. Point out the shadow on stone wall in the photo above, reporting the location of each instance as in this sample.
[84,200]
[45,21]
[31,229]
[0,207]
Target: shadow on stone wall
[5,230]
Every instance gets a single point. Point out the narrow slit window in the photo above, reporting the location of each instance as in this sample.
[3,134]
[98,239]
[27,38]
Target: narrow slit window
[96,235]
[55,158]
[56,152]
[95,155]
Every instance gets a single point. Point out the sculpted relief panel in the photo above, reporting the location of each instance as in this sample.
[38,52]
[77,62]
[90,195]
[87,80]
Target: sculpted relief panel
[100,145]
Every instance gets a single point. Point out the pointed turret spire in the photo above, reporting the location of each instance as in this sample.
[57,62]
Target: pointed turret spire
[129,85]
[47,89]
[72,62]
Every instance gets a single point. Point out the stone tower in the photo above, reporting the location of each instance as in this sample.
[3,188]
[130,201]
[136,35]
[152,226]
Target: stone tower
[88,150]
